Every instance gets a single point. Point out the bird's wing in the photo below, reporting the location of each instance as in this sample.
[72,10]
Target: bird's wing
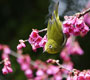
[54,30]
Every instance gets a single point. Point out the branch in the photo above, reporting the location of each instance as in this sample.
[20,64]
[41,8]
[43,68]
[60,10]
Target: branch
[84,12]
[1,61]
[13,53]
[43,30]
[62,67]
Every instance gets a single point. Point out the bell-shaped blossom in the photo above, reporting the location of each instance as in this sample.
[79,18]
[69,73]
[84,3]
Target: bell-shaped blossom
[28,73]
[6,50]
[43,41]
[52,70]
[7,67]
[40,72]
[21,45]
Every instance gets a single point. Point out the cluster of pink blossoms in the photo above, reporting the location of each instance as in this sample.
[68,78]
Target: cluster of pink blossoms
[36,40]
[80,75]
[24,61]
[21,45]
[71,48]
[45,72]
[73,74]
[7,67]
[5,58]
[65,67]
[42,71]
[75,26]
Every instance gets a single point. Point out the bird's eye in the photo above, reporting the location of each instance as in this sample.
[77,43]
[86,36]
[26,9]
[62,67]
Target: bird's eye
[50,46]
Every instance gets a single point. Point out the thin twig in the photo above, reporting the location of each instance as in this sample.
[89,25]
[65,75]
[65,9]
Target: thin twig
[84,12]
[43,30]
[15,54]
[61,67]
[1,61]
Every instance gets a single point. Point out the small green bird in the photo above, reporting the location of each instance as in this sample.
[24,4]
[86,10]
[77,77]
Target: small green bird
[55,36]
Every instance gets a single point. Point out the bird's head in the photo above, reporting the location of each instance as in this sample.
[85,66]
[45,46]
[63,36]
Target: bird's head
[51,47]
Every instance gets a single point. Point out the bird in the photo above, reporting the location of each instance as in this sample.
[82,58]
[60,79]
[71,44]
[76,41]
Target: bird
[55,36]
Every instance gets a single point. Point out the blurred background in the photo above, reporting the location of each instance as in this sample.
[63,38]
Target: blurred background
[19,17]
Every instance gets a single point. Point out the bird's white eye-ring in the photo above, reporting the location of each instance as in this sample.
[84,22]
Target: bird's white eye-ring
[50,46]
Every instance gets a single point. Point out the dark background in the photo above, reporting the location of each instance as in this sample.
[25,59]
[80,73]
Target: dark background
[17,19]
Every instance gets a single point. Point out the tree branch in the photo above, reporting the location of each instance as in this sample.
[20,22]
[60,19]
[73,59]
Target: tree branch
[43,30]
[84,12]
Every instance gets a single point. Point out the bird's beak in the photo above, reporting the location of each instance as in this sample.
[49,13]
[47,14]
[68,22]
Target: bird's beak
[44,51]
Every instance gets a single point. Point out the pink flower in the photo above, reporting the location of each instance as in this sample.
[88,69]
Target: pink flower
[76,32]
[6,50]
[58,77]
[79,23]
[4,70]
[76,49]
[34,40]
[38,40]
[43,41]
[21,45]
[65,55]
[5,56]
[25,66]
[34,48]
[68,65]
[24,61]
[72,77]
[51,61]
[84,30]
[20,59]
[40,72]
[7,62]
[49,71]
[52,70]
[87,76]
[7,67]
[28,73]
[80,75]
[34,34]
[38,78]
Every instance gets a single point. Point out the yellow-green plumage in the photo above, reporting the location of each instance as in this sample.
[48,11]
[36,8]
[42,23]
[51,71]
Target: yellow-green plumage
[55,35]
